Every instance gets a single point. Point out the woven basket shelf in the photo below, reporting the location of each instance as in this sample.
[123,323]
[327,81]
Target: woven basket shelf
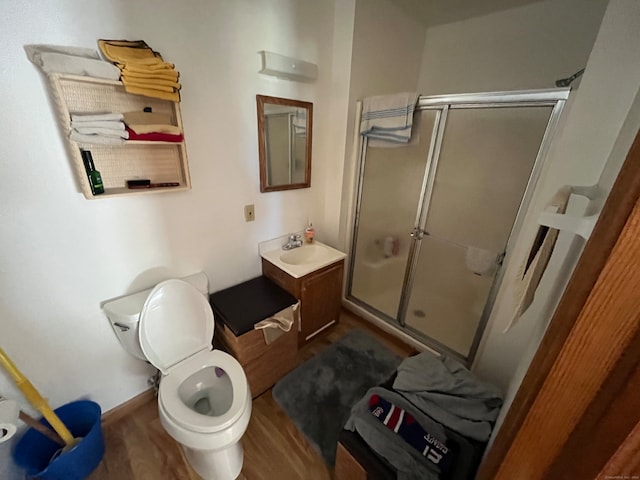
[161,162]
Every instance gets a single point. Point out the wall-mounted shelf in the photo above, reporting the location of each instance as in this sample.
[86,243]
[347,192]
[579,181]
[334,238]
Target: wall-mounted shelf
[161,162]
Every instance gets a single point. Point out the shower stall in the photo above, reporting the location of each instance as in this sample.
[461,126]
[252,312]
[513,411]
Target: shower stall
[434,219]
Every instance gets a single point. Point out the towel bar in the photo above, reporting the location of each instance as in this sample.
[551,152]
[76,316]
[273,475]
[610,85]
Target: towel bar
[582,226]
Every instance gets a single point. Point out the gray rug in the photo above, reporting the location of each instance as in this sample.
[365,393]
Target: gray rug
[319,394]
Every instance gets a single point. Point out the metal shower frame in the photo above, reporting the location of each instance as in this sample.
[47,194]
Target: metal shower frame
[555,98]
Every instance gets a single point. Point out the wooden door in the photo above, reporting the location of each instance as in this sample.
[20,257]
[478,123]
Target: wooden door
[577,412]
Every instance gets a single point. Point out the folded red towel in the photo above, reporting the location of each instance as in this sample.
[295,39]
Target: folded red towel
[155,136]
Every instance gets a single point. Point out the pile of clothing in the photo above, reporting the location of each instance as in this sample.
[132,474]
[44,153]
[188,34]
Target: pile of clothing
[434,421]
[98,128]
[143,71]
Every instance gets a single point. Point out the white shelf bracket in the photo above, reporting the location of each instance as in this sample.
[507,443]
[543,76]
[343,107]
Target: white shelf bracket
[582,226]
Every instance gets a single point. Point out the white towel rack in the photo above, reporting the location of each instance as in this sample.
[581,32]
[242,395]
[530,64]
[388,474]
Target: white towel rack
[582,226]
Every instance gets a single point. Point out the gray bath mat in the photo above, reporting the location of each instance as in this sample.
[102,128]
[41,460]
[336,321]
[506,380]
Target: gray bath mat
[319,394]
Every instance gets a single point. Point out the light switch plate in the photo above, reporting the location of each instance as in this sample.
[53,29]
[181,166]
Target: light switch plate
[249,213]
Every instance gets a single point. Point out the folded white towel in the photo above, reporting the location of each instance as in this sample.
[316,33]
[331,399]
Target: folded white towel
[105,132]
[72,60]
[95,139]
[112,125]
[96,117]
[388,117]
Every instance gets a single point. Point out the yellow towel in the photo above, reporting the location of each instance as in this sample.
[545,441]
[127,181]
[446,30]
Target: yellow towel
[151,63]
[139,56]
[155,128]
[150,92]
[158,84]
[149,84]
[123,51]
[132,73]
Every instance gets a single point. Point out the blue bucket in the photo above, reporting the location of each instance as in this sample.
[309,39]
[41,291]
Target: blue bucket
[35,452]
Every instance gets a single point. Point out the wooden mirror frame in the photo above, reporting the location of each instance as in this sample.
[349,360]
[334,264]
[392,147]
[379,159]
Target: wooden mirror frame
[261,100]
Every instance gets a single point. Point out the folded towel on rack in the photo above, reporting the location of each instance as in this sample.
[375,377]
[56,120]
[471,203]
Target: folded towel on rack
[154,128]
[96,117]
[71,60]
[123,51]
[136,57]
[388,117]
[112,125]
[155,136]
[162,85]
[104,132]
[95,139]
[133,73]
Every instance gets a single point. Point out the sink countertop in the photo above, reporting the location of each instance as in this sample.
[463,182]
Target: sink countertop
[271,251]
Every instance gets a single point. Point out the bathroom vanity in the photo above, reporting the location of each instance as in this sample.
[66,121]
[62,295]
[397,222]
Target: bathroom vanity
[313,274]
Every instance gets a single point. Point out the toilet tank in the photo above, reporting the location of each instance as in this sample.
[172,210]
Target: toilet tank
[124,313]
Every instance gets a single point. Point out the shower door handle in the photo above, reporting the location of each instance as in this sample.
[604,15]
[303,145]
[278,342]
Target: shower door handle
[418,233]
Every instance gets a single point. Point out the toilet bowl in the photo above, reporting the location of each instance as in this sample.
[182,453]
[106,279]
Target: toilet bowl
[204,400]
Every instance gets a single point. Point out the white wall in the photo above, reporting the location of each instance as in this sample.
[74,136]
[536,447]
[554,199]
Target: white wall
[63,255]
[521,48]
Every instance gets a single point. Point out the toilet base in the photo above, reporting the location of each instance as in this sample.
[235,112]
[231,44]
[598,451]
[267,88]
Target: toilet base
[224,464]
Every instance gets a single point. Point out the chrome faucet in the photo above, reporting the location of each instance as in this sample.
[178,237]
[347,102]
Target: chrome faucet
[295,241]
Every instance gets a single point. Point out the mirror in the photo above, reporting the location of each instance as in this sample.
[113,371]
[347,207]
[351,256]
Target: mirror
[284,143]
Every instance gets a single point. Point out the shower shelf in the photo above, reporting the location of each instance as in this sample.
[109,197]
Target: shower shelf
[582,226]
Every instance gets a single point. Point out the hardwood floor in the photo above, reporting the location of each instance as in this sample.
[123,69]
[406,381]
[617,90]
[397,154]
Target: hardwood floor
[138,448]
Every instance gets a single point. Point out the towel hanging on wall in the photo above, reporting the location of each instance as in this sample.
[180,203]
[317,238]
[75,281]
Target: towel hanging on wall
[533,266]
[388,118]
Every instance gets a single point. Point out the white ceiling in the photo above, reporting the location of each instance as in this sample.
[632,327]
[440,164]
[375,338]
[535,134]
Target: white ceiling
[437,12]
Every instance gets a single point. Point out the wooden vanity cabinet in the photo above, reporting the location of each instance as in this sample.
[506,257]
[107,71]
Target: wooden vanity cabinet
[320,295]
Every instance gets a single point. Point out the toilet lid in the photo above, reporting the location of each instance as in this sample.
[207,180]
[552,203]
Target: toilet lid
[176,322]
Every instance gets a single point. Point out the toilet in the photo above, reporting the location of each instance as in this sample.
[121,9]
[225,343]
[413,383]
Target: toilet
[204,400]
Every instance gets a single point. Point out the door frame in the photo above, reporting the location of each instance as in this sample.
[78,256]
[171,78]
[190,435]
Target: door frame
[577,411]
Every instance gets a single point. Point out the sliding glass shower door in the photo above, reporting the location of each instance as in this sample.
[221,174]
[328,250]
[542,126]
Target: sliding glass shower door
[485,162]
[434,219]
[391,189]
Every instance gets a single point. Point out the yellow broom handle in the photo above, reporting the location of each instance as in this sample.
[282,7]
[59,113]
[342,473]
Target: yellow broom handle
[36,399]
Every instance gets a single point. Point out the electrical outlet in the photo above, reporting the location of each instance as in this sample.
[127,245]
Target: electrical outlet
[249,213]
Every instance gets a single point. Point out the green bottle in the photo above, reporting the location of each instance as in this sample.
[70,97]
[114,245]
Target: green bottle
[95,180]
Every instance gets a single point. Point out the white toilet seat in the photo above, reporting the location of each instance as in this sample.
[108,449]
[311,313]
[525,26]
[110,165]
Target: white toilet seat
[188,418]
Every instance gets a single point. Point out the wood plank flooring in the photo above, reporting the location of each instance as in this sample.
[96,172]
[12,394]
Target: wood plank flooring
[138,448]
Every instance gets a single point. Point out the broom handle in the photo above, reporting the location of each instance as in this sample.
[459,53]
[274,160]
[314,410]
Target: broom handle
[36,399]
[36,425]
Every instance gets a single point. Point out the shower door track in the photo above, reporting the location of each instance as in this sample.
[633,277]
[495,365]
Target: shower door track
[554,98]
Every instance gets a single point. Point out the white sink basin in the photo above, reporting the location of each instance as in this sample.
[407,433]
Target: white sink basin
[306,254]
[301,261]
